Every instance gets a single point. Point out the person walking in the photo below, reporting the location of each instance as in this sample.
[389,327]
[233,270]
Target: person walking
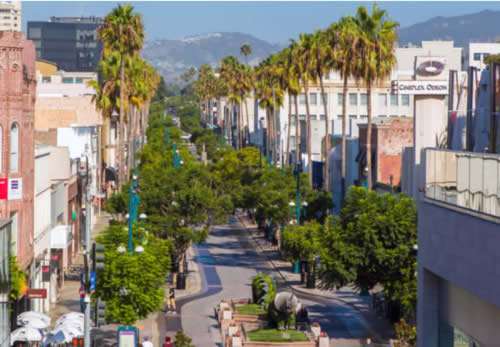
[146,342]
[171,299]
[168,342]
[81,291]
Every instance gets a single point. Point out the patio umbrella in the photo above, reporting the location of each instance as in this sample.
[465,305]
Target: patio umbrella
[26,334]
[71,316]
[35,314]
[62,334]
[33,322]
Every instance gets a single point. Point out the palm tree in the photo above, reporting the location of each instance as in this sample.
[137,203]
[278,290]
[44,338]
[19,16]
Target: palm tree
[345,56]
[306,62]
[228,72]
[122,32]
[378,41]
[322,47]
[294,88]
[245,51]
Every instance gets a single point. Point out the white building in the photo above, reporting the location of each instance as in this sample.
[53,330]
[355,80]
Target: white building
[10,15]
[479,51]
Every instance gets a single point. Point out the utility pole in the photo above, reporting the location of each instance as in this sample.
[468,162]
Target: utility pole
[87,261]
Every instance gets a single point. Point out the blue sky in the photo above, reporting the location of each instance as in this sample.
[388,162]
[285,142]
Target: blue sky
[271,21]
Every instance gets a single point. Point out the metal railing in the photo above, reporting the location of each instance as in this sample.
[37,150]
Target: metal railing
[465,179]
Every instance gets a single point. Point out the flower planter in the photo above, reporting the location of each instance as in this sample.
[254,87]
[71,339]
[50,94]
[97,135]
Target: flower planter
[316,331]
[223,305]
[227,315]
[236,341]
[232,330]
[324,341]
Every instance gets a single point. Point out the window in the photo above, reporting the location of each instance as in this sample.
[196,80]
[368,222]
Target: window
[477,56]
[46,79]
[326,99]
[394,100]
[14,148]
[353,116]
[314,98]
[322,117]
[485,55]
[67,80]
[340,98]
[13,233]
[364,116]
[353,99]
[79,80]
[292,142]
[364,99]
[382,115]
[302,117]
[394,115]
[302,99]
[405,99]
[382,99]
[314,117]
[292,120]
[339,116]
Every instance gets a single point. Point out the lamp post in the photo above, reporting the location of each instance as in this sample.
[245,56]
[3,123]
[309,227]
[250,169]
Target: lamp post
[298,210]
[177,158]
[167,135]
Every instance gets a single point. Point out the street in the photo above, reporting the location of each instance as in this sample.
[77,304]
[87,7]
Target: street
[227,264]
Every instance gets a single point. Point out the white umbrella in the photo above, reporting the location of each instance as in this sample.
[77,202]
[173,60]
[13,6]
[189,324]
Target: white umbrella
[32,322]
[39,315]
[70,316]
[63,334]
[26,334]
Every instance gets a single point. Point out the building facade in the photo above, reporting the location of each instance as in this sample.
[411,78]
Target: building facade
[479,51]
[4,282]
[10,15]
[70,42]
[17,102]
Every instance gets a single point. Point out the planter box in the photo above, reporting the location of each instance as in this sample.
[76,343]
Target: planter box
[316,331]
[223,305]
[227,314]
[324,342]
[232,330]
[236,341]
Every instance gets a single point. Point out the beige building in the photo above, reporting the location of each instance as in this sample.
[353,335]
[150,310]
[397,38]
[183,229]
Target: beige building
[10,15]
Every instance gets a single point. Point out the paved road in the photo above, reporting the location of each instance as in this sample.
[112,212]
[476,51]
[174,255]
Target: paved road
[227,264]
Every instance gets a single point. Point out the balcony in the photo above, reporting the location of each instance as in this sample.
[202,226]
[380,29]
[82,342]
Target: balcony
[464,179]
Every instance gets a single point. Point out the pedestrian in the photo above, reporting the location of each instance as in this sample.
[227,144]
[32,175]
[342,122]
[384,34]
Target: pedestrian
[168,342]
[146,342]
[171,299]
[81,291]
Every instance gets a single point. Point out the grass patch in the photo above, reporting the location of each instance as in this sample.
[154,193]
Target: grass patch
[250,309]
[274,335]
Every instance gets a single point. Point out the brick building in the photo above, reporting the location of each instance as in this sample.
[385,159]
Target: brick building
[17,101]
[389,138]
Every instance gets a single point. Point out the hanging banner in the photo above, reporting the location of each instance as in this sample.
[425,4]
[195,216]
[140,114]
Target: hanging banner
[15,190]
[45,273]
[4,188]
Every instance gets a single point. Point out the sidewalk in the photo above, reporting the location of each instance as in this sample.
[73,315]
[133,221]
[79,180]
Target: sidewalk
[380,329]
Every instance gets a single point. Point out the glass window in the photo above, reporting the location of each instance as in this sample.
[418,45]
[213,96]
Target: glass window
[339,116]
[394,115]
[353,116]
[340,98]
[292,120]
[46,79]
[394,100]
[477,56]
[382,115]
[382,99]
[67,80]
[302,117]
[326,99]
[79,80]
[302,99]
[292,142]
[485,55]
[314,117]
[364,116]
[353,99]
[322,117]
[313,98]
[14,148]
[364,99]
[405,99]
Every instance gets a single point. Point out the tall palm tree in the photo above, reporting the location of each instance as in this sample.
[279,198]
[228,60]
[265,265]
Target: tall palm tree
[322,48]
[228,72]
[294,88]
[378,33]
[245,51]
[123,32]
[306,62]
[345,56]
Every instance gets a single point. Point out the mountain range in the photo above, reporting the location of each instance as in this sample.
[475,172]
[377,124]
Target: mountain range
[174,56]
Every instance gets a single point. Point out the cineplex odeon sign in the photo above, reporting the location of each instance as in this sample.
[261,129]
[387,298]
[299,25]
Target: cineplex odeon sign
[421,87]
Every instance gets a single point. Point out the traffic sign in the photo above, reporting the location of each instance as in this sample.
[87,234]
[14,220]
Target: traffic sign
[92,282]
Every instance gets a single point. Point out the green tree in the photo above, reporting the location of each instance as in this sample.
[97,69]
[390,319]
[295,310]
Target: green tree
[182,340]
[122,32]
[17,279]
[301,242]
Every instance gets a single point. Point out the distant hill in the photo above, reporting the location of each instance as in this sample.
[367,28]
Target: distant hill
[476,27]
[172,57]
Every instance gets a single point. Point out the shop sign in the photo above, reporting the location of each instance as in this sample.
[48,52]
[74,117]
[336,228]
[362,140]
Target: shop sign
[33,293]
[15,189]
[430,68]
[427,87]
[45,273]
[54,261]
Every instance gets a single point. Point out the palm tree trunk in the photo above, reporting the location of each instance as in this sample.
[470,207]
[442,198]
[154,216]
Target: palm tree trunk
[239,120]
[327,136]
[308,115]
[121,144]
[289,126]
[297,148]
[369,136]
[344,122]
[207,113]
[247,131]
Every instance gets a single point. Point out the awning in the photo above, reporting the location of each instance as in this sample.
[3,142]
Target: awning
[61,237]
[110,175]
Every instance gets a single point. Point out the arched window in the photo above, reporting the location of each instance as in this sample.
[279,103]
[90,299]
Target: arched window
[14,148]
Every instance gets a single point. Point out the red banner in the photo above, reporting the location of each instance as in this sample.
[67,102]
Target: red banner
[4,188]
[36,293]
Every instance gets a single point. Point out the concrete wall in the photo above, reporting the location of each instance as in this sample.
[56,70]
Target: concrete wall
[61,112]
[461,249]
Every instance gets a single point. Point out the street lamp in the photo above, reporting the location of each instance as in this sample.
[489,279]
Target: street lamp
[297,210]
